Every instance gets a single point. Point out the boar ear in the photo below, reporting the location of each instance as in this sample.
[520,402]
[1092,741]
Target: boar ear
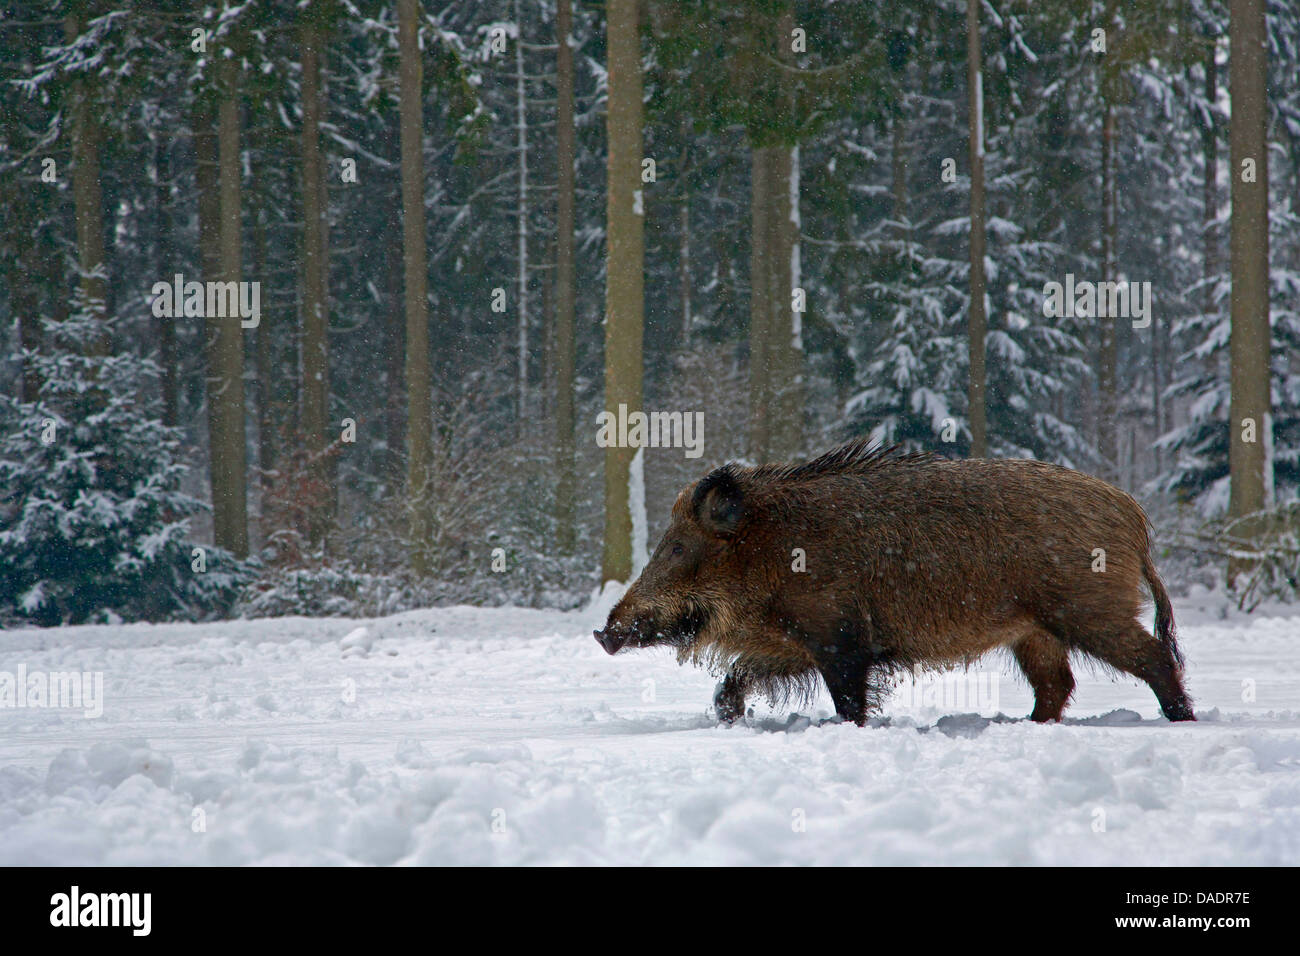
[719,501]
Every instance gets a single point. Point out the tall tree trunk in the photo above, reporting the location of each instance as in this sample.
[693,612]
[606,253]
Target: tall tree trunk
[315,272]
[1250,461]
[87,195]
[1210,184]
[760,305]
[268,437]
[978,321]
[787,322]
[1158,375]
[1108,339]
[203,120]
[684,265]
[395,402]
[205,176]
[419,417]
[684,240]
[625,282]
[544,398]
[776,336]
[165,327]
[565,284]
[521,132]
[226,365]
[775,331]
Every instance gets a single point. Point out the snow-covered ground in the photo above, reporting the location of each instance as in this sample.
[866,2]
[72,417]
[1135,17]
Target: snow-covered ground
[468,735]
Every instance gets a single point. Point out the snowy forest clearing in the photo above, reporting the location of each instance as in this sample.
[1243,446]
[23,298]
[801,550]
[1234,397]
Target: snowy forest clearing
[500,736]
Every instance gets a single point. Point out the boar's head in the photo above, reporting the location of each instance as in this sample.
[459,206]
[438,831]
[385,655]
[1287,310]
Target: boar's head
[691,581]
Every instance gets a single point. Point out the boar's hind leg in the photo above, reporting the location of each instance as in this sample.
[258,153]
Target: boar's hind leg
[729,698]
[1046,665]
[1134,651]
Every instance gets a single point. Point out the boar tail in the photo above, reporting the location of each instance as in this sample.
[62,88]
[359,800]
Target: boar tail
[1164,610]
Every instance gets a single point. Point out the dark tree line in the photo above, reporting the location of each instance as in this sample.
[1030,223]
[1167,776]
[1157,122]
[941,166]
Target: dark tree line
[476,226]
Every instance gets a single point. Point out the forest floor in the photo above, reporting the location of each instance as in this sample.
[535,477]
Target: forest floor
[467,735]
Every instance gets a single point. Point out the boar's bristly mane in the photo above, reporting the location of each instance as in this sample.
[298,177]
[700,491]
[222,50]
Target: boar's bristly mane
[852,458]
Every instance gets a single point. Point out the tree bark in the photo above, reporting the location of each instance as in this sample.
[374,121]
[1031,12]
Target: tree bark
[203,121]
[166,325]
[1108,339]
[776,334]
[684,265]
[521,146]
[395,401]
[419,425]
[226,368]
[787,320]
[1210,184]
[775,331]
[565,284]
[1158,375]
[268,437]
[760,306]
[625,282]
[978,321]
[87,195]
[1249,461]
[786,342]
[315,272]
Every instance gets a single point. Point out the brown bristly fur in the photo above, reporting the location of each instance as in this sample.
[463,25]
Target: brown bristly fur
[911,560]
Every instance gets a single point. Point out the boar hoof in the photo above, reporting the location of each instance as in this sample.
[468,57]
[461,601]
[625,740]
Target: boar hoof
[728,711]
[729,700]
[1178,710]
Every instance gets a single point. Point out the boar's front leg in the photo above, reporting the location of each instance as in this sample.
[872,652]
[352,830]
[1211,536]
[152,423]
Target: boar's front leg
[844,660]
[729,698]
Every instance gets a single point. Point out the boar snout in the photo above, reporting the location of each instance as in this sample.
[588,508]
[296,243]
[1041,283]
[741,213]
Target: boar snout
[629,624]
[610,641]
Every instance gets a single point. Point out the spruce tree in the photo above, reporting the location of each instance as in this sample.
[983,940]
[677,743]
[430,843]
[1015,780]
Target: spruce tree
[93,522]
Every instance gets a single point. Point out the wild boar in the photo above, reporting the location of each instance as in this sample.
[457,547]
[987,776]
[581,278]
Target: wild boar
[868,561]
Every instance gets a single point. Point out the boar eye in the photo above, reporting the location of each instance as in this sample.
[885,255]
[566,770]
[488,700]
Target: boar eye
[677,549]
